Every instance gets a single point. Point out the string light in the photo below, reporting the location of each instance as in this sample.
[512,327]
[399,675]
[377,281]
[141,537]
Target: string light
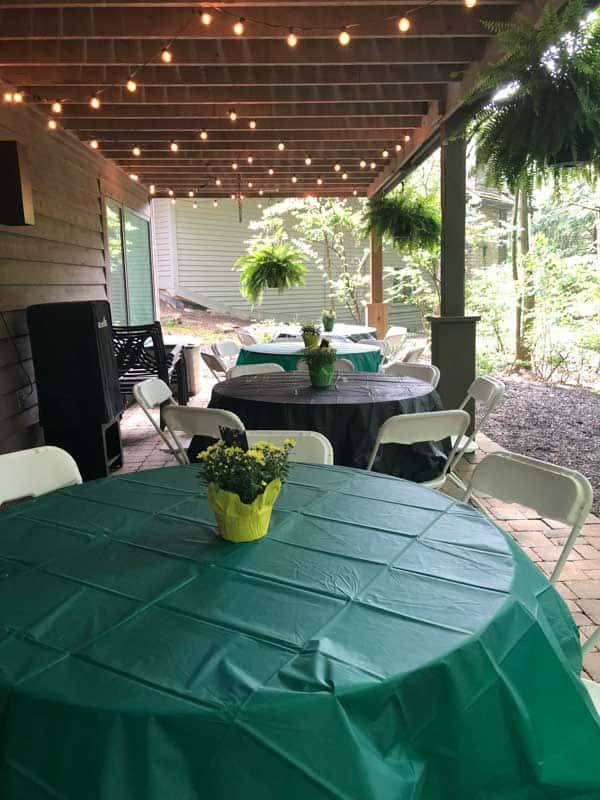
[194,204]
[190,193]
[238,28]
[294,179]
[260,205]
[56,107]
[320,181]
[166,56]
[94,144]
[385,154]
[215,204]
[252,124]
[7,97]
[18,97]
[133,176]
[206,18]
[95,102]
[344,176]
[52,124]
[152,188]
[271,171]
[232,114]
[173,147]
[218,181]
[173,201]
[363,164]
[344,36]
[242,196]
[131,85]
[232,196]
[250,159]
[250,184]
[281,146]
[372,165]
[291,38]
[136,151]
[406,137]
[337,167]
[308,161]
[470,3]
[260,191]
[203,135]
[404,24]
[234,165]
[355,193]
[170,192]
[398,148]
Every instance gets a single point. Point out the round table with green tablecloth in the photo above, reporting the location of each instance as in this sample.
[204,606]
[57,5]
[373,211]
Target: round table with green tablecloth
[383,642]
[365,358]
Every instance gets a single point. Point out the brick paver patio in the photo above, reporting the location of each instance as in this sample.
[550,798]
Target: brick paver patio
[540,538]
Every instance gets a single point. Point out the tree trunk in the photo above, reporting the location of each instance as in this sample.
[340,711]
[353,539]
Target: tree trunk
[515,273]
[528,295]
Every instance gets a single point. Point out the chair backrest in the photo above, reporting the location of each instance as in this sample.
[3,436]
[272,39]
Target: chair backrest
[214,364]
[200,421]
[413,353]
[555,492]
[152,393]
[30,473]
[226,349]
[245,337]
[253,369]
[395,336]
[344,365]
[431,426]
[132,355]
[311,447]
[486,392]
[423,372]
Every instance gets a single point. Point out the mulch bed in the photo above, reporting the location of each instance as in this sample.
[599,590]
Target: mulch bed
[552,423]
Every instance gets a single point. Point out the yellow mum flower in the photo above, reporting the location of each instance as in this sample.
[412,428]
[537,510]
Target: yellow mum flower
[290,442]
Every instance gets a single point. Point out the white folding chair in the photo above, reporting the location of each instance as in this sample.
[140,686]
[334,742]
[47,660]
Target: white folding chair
[344,365]
[226,351]
[197,422]
[431,426]
[395,337]
[215,365]
[253,369]
[311,447]
[557,493]
[485,393]
[153,394]
[31,473]
[412,354]
[246,338]
[428,373]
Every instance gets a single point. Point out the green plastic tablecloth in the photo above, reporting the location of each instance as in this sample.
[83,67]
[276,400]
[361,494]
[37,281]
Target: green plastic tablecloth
[383,642]
[365,358]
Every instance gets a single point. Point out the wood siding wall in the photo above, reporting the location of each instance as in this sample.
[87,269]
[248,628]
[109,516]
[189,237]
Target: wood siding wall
[208,240]
[61,258]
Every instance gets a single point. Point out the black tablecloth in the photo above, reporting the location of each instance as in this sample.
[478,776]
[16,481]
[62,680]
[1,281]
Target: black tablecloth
[349,414]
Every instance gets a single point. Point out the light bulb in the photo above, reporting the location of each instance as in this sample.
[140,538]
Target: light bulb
[238,28]
[344,176]
[271,171]
[166,56]
[281,146]
[170,192]
[206,18]
[95,102]
[250,184]
[470,3]
[355,193]
[232,114]
[372,165]
[242,196]
[136,151]
[403,24]
[152,188]
[260,205]
[174,147]
[337,167]
[260,191]
[94,144]
[133,176]
[308,161]
[7,97]
[218,181]
[131,85]
[234,165]
[173,201]
[406,138]
[233,196]
[250,159]
[291,38]
[203,135]
[320,181]
[344,37]
[252,124]
[52,124]
[398,148]
[190,193]
[56,107]
[215,204]
[385,154]
[294,179]
[18,97]
[363,164]
[194,204]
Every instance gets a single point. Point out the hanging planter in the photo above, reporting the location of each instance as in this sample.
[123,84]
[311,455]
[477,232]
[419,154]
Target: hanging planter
[406,219]
[545,92]
[270,265]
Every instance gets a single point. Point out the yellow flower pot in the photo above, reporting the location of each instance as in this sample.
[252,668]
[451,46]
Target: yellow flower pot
[243,522]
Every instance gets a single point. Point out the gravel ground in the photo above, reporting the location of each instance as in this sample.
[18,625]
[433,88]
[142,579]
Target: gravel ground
[552,423]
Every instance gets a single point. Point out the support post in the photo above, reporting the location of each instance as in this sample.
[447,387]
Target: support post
[377,310]
[452,334]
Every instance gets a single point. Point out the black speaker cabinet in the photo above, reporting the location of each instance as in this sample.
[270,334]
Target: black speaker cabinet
[77,382]
[16,200]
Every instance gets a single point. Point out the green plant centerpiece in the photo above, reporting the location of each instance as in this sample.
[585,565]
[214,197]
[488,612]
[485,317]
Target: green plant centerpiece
[310,334]
[328,319]
[537,107]
[243,485]
[270,264]
[321,364]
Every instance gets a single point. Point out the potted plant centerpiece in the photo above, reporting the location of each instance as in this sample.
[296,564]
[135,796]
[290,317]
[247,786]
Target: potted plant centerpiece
[243,484]
[321,364]
[328,319]
[311,334]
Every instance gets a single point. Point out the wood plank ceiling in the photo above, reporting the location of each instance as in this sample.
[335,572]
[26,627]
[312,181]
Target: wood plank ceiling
[300,111]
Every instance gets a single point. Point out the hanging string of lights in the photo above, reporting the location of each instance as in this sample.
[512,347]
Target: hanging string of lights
[165,54]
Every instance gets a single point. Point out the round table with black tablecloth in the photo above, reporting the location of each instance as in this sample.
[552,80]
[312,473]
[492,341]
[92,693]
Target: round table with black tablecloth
[383,642]
[364,357]
[349,414]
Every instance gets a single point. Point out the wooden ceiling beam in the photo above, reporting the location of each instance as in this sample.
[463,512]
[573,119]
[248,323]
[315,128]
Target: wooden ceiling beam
[129,53]
[262,151]
[318,22]
[235,4]
[131,136]
[283,125]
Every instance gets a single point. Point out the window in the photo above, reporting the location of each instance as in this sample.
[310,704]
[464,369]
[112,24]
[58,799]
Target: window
[128,238]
